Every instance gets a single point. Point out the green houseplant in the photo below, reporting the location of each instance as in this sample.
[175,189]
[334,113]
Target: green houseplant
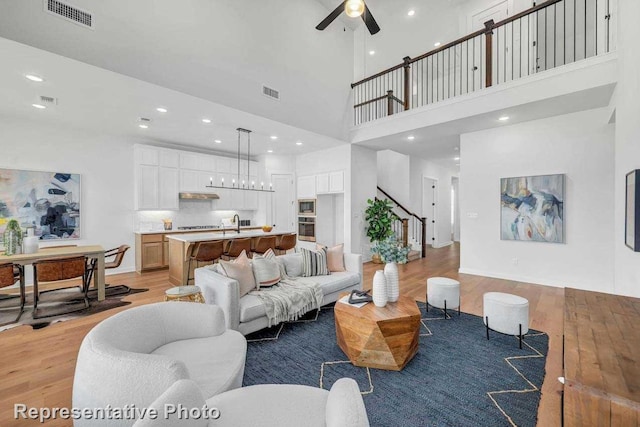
[12,238]
[379,216]
[391,250]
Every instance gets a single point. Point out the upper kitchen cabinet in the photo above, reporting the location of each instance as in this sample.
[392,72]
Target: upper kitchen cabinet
[189,161]
[307,187]
[322,183]
[336,182]
[156,178]
[224,165]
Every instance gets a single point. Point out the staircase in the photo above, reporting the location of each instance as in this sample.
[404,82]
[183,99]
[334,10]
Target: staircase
[411,231]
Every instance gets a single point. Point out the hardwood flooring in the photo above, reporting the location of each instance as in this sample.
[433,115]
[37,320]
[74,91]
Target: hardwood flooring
[38,365]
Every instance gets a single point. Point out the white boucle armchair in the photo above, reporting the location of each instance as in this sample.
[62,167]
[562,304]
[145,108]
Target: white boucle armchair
[133,357]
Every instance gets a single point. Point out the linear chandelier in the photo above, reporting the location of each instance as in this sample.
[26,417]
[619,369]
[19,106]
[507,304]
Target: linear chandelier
[247,185]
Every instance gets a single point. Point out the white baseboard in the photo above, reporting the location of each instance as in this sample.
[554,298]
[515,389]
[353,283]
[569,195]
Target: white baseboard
[442,245]
[513,277]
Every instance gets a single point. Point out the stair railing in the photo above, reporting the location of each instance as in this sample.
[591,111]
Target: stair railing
[401,227]
[548,35]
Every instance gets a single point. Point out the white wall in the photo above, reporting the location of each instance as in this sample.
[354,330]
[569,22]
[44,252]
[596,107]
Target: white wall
[580,145]
[420,169]
[393,175]
[363,187]
[627,263]
[106,168]
[219,50]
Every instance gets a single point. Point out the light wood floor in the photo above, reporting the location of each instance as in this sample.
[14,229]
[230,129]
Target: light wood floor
[37,366]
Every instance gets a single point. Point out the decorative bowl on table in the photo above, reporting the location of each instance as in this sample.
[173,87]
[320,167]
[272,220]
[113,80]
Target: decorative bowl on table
[267,228]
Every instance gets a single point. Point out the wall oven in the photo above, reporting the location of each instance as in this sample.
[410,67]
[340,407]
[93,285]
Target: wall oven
[307,207]
[307,228]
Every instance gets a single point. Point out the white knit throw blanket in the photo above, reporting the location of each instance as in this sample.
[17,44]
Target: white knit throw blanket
[290,299]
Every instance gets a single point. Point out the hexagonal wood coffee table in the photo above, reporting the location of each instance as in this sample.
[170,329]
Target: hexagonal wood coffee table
[379,337]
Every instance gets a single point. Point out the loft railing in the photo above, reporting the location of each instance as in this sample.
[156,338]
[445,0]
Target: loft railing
[546,36]
[418,229]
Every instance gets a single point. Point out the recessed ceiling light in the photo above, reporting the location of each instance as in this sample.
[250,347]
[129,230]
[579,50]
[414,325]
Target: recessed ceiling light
[161,110]
[504,118]
[411,12]
[456,158]
[299,143]
[34,78]
[217,141]
[411,137]
[273,137]
[39,106]
[269,151]
[206,121]
[372,52]
[143,126]
[436,44]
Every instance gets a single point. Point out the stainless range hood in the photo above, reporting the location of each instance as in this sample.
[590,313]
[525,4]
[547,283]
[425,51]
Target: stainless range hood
[199,196]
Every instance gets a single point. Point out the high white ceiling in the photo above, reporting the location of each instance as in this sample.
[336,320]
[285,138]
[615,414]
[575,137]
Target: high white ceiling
[102,101]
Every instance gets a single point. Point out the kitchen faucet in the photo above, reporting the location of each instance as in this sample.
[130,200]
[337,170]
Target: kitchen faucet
[236,217]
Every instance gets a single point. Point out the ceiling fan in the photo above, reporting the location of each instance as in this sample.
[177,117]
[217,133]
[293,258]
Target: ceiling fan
[353,9]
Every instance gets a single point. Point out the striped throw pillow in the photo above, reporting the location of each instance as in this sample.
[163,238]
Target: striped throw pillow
[314,263]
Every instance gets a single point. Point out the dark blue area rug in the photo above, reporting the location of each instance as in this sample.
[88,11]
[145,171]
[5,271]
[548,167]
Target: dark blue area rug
[458,378]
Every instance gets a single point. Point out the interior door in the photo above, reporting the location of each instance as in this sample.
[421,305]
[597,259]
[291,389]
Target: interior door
[283,202]
[429,208]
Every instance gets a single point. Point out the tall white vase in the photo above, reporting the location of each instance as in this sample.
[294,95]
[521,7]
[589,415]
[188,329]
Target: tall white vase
[393,281]
[379,289]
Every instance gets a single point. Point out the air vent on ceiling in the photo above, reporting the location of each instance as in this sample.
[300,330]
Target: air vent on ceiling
[48,100]
[70,13]
[271,93]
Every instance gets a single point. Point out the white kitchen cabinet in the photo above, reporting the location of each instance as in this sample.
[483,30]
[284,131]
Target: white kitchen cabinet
[336,182]
[307,187]
[169,159]
[251,200]
[237,200]
[322,183]
[224,202]
[224,165]
[189,161]
[147,187]
[147,155]
[168,188]
[206,163]
[189,180]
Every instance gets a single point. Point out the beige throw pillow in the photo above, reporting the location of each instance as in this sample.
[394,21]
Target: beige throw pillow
[240,270]
[335,257]
[266,270]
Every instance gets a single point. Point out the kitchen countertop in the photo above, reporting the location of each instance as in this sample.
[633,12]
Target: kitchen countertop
[200,230]
[230,234]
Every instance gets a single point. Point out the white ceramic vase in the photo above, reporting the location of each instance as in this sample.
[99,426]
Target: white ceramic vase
[379,289]
[393,281]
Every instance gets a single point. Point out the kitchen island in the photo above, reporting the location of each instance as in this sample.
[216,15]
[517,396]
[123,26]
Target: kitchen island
[181,247]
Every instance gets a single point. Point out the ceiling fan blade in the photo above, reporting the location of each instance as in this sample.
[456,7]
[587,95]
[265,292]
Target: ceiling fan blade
[332,17]
[369,20]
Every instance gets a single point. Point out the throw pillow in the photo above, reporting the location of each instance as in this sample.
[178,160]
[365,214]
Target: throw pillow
[266,269]
[314,263]
[292,264]
[335,258]
[240,270]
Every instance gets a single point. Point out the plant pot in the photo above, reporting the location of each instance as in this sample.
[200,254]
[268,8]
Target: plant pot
[376,259]
[393,281]
[379,289]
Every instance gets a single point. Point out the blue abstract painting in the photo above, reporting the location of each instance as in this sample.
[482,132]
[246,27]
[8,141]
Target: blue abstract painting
[49,202]
[533,208]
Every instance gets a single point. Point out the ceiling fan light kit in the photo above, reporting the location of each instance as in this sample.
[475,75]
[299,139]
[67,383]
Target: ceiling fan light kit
[353,9]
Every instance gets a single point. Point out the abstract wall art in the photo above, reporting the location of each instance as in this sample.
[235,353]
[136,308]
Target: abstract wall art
[533,208]
[47,201]
[632,221]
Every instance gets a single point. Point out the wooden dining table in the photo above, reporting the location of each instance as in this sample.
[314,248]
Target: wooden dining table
[92,252]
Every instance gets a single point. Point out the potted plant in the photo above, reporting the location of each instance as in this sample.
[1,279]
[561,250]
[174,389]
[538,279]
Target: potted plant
[12,238]
[393,253]
[379,216]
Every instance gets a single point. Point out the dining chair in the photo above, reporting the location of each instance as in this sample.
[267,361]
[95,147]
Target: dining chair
[117,254]
[263,244]
[9,275]
[55,270]
[286,243]
[236,246]
[209,252]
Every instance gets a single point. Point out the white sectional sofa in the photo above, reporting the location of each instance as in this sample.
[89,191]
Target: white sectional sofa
[247,314]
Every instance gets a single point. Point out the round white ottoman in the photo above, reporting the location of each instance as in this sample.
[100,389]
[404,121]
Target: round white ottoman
[506,313]
[444,293]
